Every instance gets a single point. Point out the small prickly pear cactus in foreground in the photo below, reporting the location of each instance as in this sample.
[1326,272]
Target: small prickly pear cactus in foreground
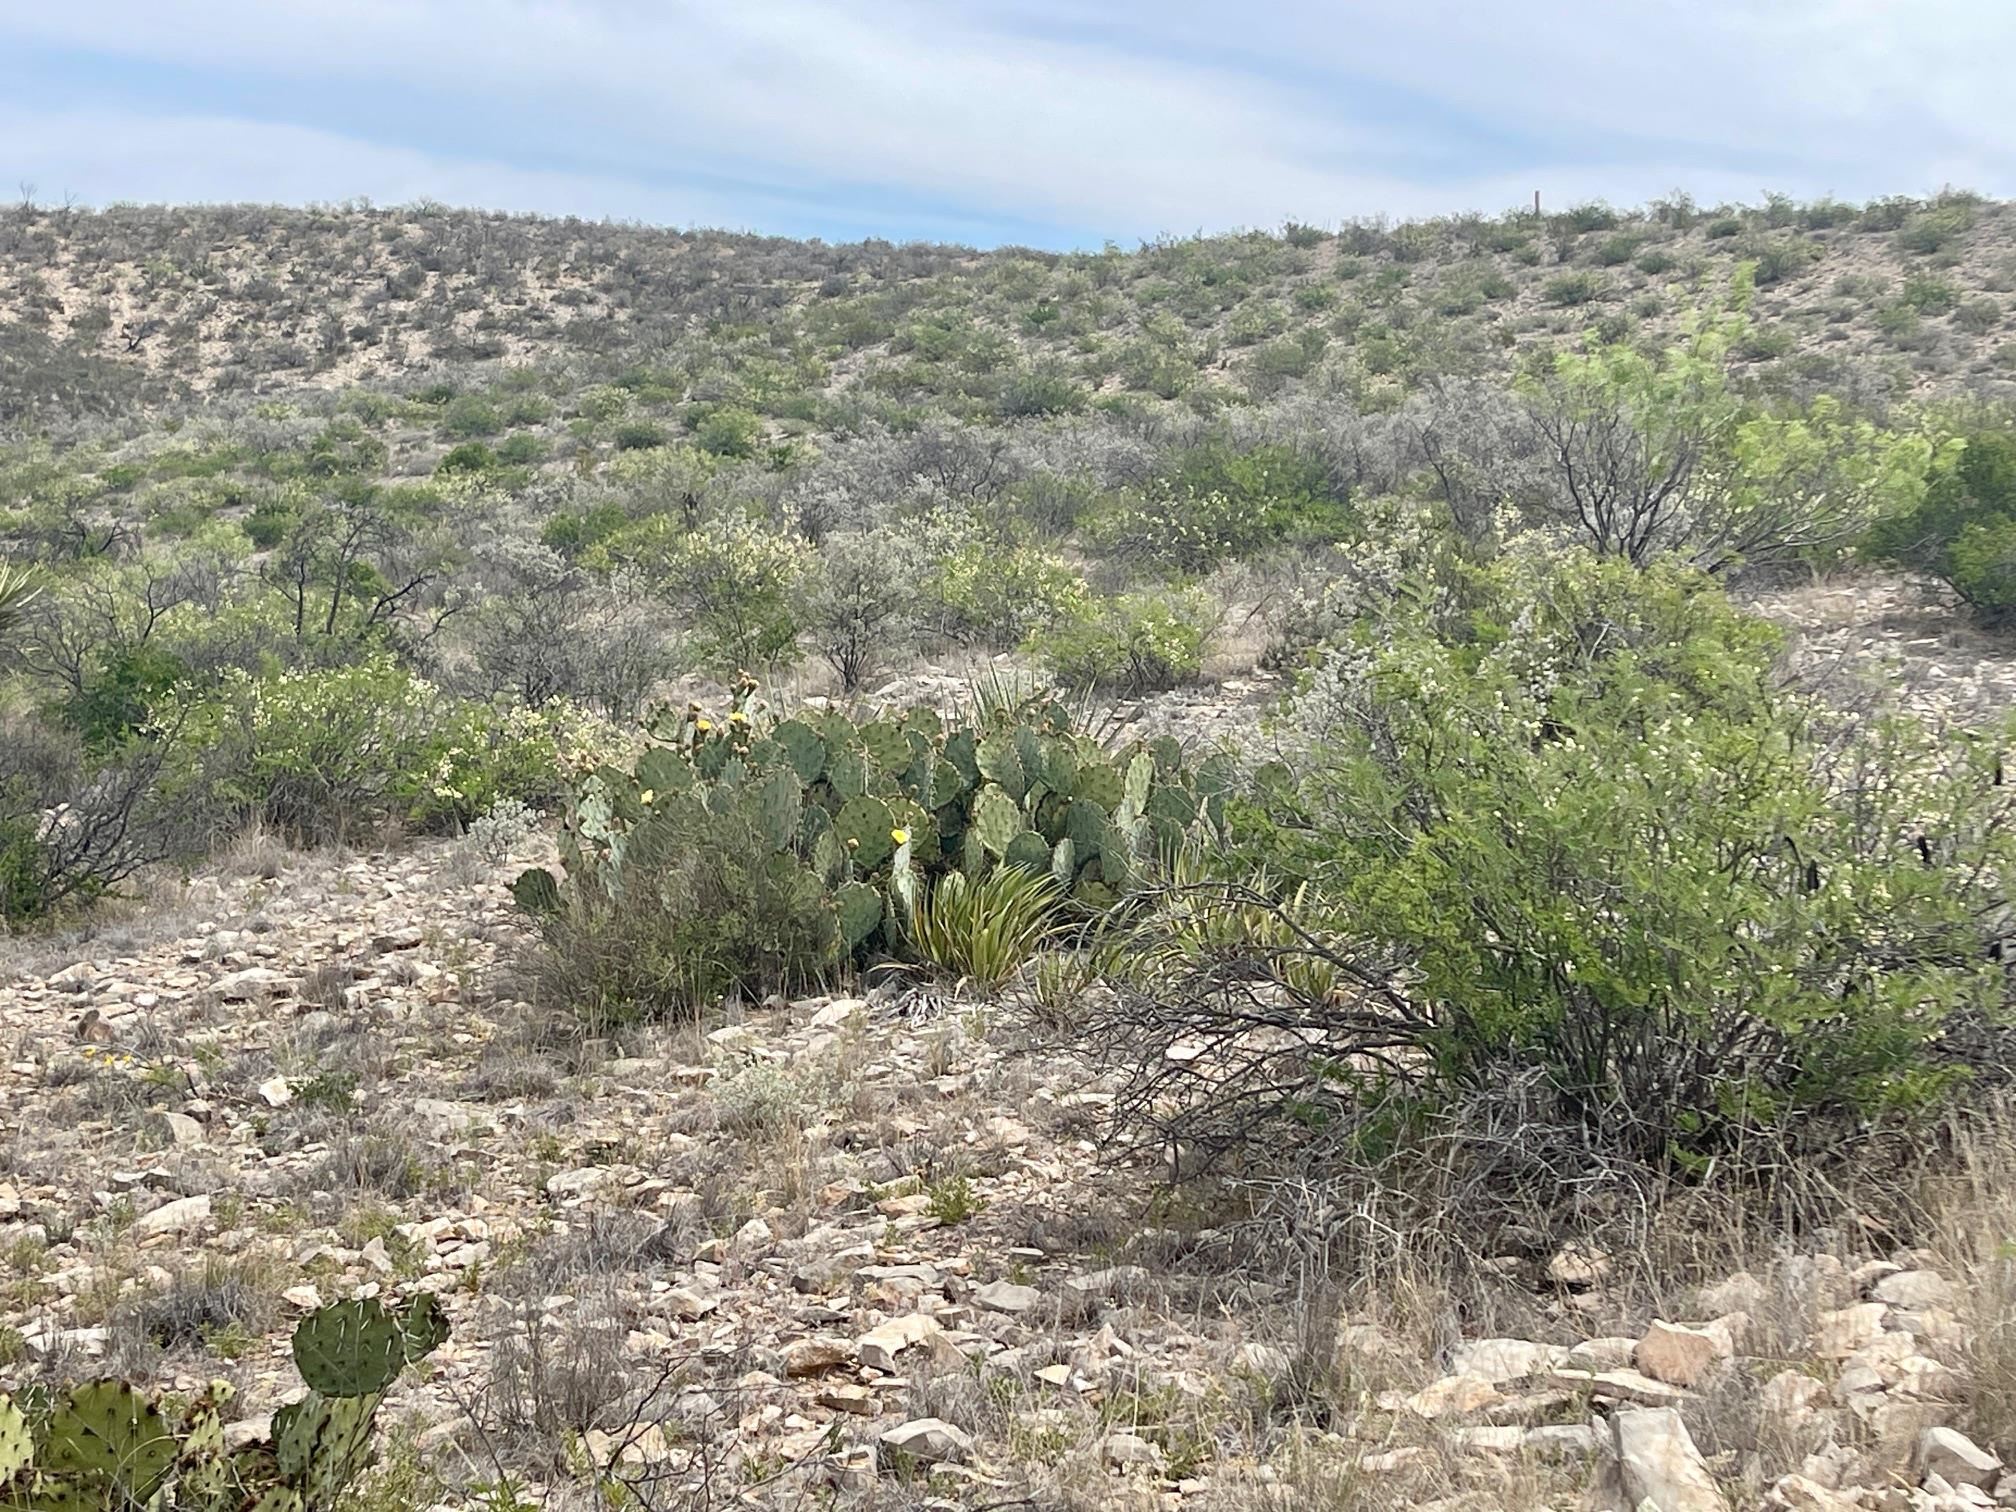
[101,1446]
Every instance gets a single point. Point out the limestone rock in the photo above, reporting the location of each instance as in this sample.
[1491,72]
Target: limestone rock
[1659,1462]
[177,1217]
[1006,1297]
[1956,1459]
[1841,1332]
[879,1347]
[805,1357]
[1130,1449]
[1502,1360]
[929,1440]
[1677,1354]
[1452,1396]
[1915,1289]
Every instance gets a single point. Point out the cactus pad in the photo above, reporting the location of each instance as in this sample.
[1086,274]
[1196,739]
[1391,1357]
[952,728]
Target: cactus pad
[537,892]
[996,820]
[660,770]
[1000,764]
[106,1430]
[350,1349]
[17,1446]
[860,908]
[865,827]
[1028,850]
[803,746]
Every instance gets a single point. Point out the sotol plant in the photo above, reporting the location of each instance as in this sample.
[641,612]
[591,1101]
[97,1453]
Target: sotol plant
[102,1446]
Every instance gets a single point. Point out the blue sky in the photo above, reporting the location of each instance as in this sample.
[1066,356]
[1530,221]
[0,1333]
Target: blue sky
[1050,122]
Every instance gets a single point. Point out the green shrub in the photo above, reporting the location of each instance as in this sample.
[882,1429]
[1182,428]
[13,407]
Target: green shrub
[729,431]
[1042,391]
[118,698]
[1216,503]
[984,593]
[1136,643]
[715,909]
[1571,290]
[1962,530]
[521,449]
[1626,877]
[738,586]
[470,417]
[469,457]
[983,932]
[642,435]
[322,753]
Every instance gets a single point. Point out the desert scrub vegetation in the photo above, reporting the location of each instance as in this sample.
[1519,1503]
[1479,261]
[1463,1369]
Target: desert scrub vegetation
[749,854]
[1558,875]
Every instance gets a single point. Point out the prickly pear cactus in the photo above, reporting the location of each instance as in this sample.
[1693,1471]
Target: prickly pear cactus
[350,1349]
[843,800]
[17,1446]
[101,1445]
[106,1432]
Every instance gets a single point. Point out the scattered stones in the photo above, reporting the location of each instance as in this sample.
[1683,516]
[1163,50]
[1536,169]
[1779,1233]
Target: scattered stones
[1841,1332]
[879,1347]
[1006,1297]
[1502,1360]
[805,1357]
[1452,1396]
[1914,1289]
[1130,1449]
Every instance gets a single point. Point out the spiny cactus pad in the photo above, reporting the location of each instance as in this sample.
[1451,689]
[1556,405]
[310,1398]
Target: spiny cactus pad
[865,828]
[350,1349]
[106,1430]
[17,1447]
[860,908]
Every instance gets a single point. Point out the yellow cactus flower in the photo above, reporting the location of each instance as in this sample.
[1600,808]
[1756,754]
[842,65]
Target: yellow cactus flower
[900,836]
[703,725]
[649,794]
[738,717]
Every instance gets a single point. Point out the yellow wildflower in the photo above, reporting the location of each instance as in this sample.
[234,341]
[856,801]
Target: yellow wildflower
[703,725]
[900,836]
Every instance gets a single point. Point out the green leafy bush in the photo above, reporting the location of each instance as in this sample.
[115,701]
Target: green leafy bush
[1963,530]
[329,752]
[1608,852]
[985,593]
[1135,643]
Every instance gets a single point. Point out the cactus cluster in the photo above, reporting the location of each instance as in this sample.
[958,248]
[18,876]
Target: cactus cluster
[879,810]
[102,1446]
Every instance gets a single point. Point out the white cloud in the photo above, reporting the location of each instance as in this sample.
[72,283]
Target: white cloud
[1112,116]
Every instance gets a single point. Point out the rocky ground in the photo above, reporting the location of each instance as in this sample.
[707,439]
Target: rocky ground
[861,1251]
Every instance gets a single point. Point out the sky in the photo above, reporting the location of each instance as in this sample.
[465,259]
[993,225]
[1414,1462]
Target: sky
[1051,123]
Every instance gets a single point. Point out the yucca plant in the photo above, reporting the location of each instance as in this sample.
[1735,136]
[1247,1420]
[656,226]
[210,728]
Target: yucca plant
[18,589]
[982,932]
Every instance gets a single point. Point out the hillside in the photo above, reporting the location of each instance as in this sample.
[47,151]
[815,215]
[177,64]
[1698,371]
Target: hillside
[1347,869]
[156,304]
